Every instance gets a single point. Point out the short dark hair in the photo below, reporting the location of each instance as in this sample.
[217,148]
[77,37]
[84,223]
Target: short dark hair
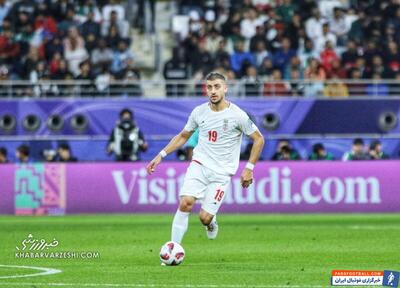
[358,141]
[374,144]
[64,146]
[214,76]
[318,147]
[126,110]
[3,151]
[23,149]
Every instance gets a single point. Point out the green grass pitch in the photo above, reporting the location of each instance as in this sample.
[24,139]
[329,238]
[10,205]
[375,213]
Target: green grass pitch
[250,251]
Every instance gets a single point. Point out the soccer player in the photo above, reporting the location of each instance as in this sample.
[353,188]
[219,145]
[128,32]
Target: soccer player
[215,158]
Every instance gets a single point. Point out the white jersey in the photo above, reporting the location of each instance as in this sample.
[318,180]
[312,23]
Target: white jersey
[220,136]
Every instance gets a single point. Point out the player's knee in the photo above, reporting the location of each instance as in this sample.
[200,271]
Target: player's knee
[205,218]
[186,204]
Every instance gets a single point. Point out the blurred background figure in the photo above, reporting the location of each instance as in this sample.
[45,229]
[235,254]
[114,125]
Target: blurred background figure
[126,140]
[319,153]
[3,155]
[285,152]
[64,153]
[375,151]
[22,154]
[357,151]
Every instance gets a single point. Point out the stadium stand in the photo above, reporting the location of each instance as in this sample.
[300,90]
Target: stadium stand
[112,48]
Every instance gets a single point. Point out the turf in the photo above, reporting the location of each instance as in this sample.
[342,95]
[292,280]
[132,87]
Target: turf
[250,251]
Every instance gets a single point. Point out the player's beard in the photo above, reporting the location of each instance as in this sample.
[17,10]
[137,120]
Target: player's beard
[217,101]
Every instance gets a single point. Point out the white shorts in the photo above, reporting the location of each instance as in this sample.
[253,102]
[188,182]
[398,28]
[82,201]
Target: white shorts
[205,185]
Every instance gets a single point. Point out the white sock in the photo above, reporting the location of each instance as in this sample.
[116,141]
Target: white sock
[179,226]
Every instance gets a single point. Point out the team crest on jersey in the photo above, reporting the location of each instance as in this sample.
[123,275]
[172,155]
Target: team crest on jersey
[225,126]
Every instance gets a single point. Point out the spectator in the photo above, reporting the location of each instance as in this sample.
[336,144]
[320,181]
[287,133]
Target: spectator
[266,68]
[285,11]
[69,22]
[213,41]
[314,24]
[375,151]
[307,53]
[113,5]
[9,49]
[90,26]
[240,58]
[64,153]
[257,38]
[102,56]
[378,68]
[122,57]
[62,73]
[176,69]
[3,154]
[113,37]
[22,154]
[337,70]
[320,41]
[339,26]
[350,56]
[126,140]
[392,58]
[377,88]
[336,88]
[222,57]
[74,51]
[356,86]
[202,60]
[327,57]
[282,57]
[251,82]
[319,153]
[86,76]
[285,152]
[296,83]
[294,31]
[276,87]
[260,53]
[121,24]
[316,76]
[357,151]
[249,23]
[87,7]
[49,155]
[4,8]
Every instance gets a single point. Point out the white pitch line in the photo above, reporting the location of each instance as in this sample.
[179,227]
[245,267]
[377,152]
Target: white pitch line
[160,285]
[46,271]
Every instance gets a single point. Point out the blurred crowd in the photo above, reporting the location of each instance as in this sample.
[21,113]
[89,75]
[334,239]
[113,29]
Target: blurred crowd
[86,40]
[275,46]
[131,152]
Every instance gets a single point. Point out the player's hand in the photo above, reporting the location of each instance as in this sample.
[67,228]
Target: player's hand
[246,178]
[151,167]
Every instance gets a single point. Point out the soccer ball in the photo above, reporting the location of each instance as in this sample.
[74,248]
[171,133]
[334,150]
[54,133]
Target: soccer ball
[172,253]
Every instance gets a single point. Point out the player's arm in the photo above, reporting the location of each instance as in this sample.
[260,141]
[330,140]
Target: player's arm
[173,145]
[247,174]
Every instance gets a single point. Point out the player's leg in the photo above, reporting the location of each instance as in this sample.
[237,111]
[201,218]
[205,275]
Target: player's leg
[215,194]
[194,187]
[181,219]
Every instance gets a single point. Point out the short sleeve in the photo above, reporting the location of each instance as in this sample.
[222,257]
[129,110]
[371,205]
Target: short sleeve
[191,124]
[246,125]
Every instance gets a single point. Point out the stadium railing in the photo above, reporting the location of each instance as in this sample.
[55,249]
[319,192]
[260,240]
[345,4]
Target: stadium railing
[161,88]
